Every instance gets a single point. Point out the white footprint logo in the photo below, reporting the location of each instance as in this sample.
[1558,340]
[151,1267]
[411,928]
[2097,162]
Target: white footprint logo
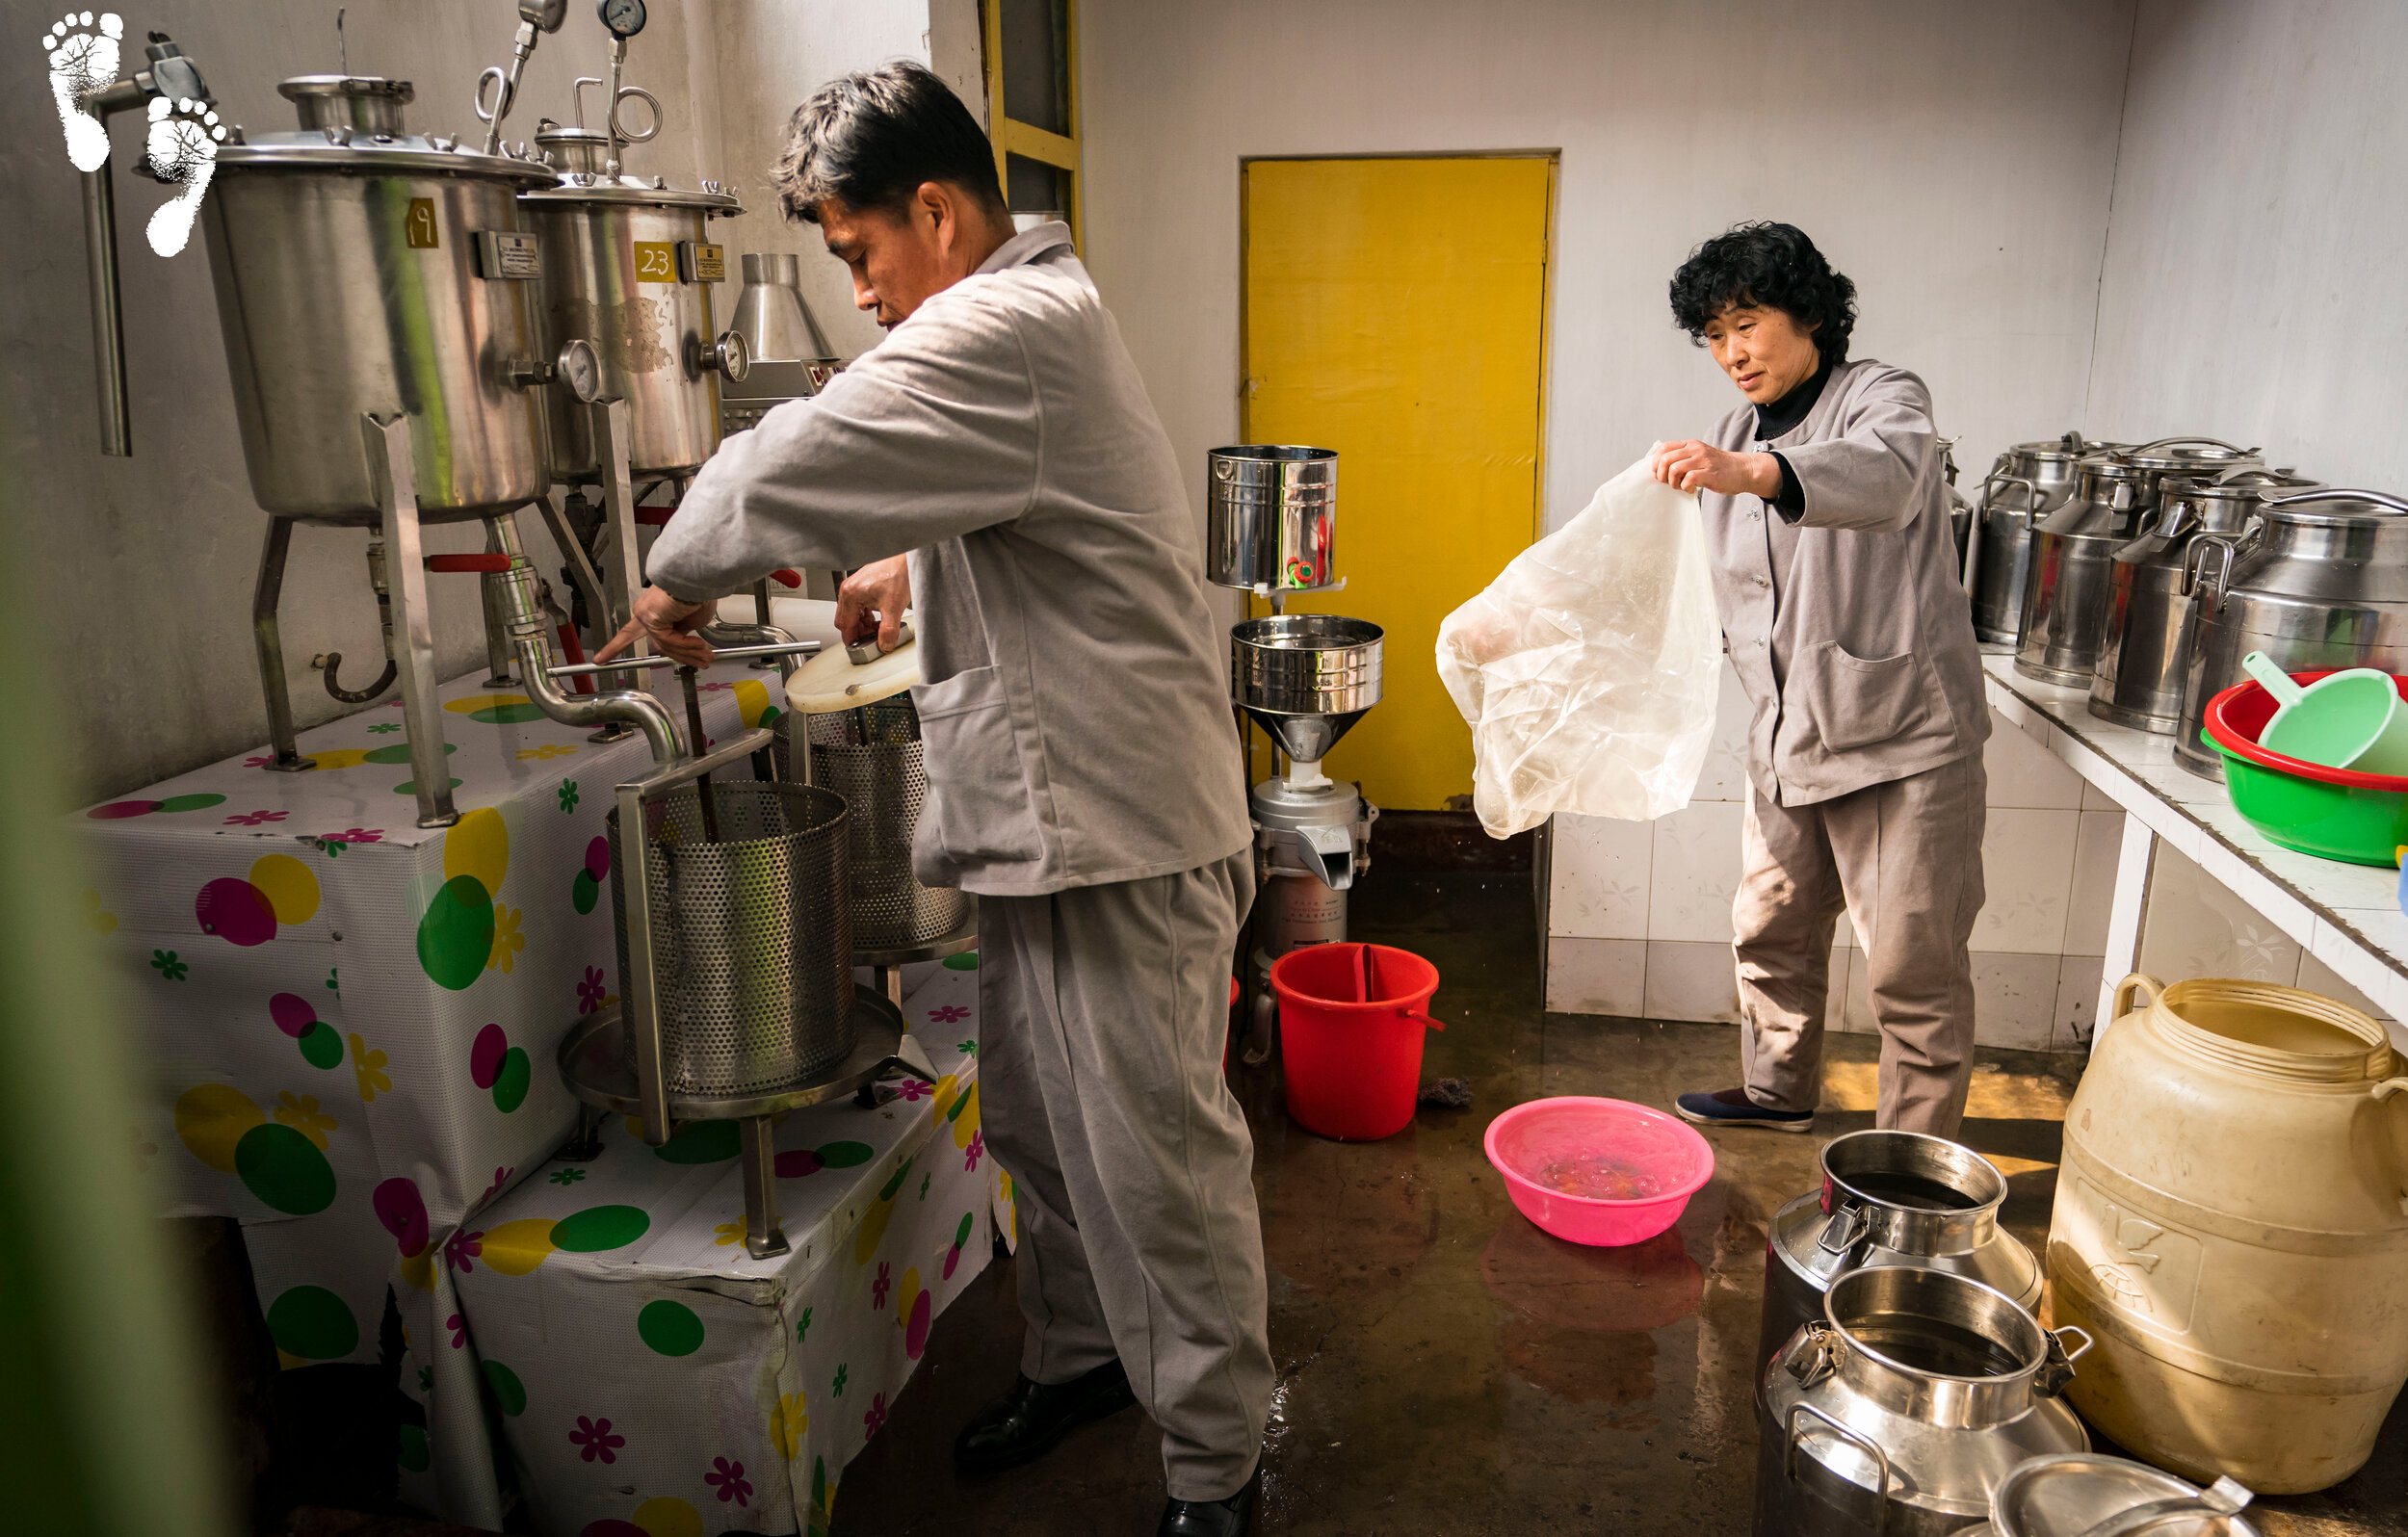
[184,139]
[83,59]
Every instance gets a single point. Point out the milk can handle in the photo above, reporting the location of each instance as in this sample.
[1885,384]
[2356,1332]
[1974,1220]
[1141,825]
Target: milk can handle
[2138,981]
[2201,442]
[1788,1454]
[1854,1218]
[2334,493]
[2195,565]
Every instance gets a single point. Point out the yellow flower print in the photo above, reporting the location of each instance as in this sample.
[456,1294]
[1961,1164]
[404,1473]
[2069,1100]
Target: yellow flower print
[787,1424]
[507,941]
[369,1067]
[549,750]
[728,1233]
[302,1113]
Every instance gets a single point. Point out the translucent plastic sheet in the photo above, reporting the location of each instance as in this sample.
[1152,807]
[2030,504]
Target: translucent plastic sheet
[1588,668]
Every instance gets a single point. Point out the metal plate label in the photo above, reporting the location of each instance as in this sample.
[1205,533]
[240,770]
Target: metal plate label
[507,253]
[700,262]
[656,261]
[418,225]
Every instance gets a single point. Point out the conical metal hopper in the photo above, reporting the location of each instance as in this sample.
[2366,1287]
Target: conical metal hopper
[1307,678]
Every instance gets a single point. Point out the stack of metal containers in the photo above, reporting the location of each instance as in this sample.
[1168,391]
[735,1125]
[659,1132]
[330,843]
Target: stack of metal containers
[2144,573]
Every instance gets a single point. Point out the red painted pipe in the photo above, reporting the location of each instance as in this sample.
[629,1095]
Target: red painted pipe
[468,563]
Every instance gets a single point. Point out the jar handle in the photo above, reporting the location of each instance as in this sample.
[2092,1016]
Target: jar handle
[1856,1439]
[2383,1093]
[2137,982]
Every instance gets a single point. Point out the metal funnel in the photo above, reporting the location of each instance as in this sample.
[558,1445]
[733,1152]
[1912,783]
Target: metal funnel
[1307,678]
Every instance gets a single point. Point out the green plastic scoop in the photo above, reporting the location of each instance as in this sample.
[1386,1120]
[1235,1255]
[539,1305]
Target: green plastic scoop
[2352,719]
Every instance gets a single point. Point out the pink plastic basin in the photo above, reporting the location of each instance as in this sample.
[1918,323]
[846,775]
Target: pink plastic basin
[1583,1142]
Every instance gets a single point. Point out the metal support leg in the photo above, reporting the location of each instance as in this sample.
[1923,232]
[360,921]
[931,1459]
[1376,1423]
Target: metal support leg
[763,1237]
[265,595]
[761,616]
[585,1144]
[497,643]
[622,570]
[889,984]
[108,316]
[580,564]
[391,475]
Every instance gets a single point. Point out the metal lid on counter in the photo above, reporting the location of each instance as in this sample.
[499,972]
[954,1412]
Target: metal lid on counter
[2073,1494]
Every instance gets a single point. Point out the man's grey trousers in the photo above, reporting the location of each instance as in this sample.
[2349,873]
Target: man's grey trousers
[1103,1011]
[1904,858]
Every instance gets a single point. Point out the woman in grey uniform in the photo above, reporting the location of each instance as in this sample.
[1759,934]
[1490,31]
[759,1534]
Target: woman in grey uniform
[1826,521]
[1082,777]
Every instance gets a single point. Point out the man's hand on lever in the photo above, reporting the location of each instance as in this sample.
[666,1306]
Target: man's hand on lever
[670,626]
[1690,466]
[872,602]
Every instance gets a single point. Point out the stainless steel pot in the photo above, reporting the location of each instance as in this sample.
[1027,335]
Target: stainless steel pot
[1889,1198]
[2139,681]
[2320,581]
[364,270]
[2186,458]
[2067,594]
[1905,1406]
[1272,517]
[628,266]
[2029,481]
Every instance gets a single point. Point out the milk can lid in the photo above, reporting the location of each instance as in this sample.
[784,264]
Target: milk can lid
[2074,1493]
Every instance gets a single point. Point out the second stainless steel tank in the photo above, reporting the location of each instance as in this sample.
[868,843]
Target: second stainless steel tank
[2029,480]
[361,269]
[2067,593]
[628,266]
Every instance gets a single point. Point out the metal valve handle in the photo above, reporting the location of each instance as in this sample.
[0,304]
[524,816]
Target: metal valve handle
[580,670]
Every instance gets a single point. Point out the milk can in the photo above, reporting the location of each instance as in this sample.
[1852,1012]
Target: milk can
[1889,1198]
[2029,481]
[2140,677]
[2230,1226]
[2072,560]
[2322,581]
[628,265]
[2184,457]
[361,269]
[1897,1413]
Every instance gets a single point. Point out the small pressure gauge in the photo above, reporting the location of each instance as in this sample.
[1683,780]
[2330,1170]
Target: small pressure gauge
[580,370]
[624,17]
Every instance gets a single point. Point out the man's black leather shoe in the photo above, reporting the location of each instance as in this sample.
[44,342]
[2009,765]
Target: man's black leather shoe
[1232,1517]
[1024,1423]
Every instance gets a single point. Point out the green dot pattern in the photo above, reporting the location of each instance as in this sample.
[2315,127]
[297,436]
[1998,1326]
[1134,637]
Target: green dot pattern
[507,715]
[414,1455]
[312,1323]
[398,752]
[509,1084]
[599,1227]
[200,803]
[320,1046]
[409,787]
[846,1155]
[456,935]
[284,1169]
[700,1142]
[510,1395]
[670,1328]
[585,892]
[966,961]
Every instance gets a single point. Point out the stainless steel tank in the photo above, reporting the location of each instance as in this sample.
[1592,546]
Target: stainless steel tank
[361,269]
[1889,1198]
[2186,458]
[628,265]
[2320,581]
[2029,481]
[1272,517]
[2139,681]
[1898,1412]
[2066,594]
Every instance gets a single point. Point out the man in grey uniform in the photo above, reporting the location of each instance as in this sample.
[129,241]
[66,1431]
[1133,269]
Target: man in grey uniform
[1084,778]
[1826,522]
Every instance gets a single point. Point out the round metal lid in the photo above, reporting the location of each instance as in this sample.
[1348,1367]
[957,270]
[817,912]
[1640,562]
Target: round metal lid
[391,154]
[586,187]
[2070,1492]
[303,86]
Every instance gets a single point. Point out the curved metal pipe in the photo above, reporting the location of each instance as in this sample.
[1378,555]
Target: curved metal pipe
[527,624]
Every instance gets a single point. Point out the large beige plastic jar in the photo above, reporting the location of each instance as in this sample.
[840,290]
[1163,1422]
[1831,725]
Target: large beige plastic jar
[2231,1227]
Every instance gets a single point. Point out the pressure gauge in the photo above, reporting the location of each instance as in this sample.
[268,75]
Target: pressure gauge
[624,17]
[580,370]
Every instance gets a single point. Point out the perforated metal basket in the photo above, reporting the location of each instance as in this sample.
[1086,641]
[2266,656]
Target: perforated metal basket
[752,941]
[873,758]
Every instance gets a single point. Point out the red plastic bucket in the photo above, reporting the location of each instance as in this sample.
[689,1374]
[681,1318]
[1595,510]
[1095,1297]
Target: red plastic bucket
[1350,1023]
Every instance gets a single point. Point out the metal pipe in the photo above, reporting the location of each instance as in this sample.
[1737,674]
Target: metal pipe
[108,314]
[265,594]
[779,648]
[527,624]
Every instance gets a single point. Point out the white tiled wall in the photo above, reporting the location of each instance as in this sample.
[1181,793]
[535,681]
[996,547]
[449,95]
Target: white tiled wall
[1639,913]
[2195,926]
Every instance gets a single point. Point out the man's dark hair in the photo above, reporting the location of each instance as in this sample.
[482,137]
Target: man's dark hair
[871,137]
[1766,266]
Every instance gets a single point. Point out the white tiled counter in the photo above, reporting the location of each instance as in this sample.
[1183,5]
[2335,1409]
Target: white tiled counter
[2197,890]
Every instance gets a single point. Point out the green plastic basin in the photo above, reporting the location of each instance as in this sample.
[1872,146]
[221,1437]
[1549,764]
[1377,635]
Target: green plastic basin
[2332,813]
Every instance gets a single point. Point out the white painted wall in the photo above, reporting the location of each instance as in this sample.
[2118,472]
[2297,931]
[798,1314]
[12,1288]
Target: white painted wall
[144,566]
[2252,285]
[1954,160]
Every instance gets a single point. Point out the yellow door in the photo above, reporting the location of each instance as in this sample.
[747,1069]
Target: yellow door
[1396,310]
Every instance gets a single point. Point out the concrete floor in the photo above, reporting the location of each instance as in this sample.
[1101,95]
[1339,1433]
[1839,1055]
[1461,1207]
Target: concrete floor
[1445,1366]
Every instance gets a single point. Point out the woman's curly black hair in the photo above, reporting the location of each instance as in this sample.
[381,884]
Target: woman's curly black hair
[1768,266]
